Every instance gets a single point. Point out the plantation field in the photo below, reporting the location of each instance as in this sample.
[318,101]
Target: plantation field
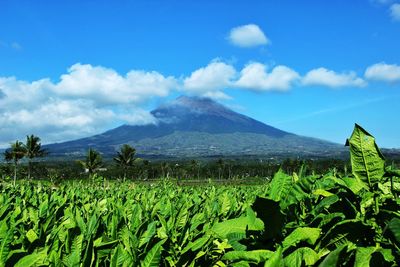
[329,219]
[120,224]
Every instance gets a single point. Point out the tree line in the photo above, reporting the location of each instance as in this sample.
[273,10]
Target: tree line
[126,165]
[32,148]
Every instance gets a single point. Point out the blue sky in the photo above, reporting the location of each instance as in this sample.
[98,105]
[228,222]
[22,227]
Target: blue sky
[70,69]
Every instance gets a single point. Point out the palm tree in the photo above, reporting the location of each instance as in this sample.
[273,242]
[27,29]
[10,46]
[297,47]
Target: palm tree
[15,154]
[92,163]
[125,158]
[33,149]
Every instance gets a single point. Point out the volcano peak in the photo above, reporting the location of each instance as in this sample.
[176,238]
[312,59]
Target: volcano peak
[190,104]
[190,125]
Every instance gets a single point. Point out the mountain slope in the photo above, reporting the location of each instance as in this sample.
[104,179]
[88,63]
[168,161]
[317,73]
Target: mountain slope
[193,126]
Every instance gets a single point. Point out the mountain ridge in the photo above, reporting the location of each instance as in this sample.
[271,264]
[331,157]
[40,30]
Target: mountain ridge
[197,126]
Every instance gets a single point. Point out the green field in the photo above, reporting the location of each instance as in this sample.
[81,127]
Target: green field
[328,219]
[121,223]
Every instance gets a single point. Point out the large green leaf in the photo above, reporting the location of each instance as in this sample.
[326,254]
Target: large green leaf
[310,235]
[120,257]
[91,226]
[54,258]
[34,259]
[394,227]
[367,161]
[153,257]
[196,244]
[240,264]
[300,255]
[280,185]
[325,203]
[225,203]
[5,242]
[237,225]
[276,259]
[333,258]
[148,234]
[289,190]
[255,256]
[364,255]
[74,258]
[354,184]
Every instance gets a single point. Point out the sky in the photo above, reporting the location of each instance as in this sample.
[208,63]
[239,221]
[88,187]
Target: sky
[71,69]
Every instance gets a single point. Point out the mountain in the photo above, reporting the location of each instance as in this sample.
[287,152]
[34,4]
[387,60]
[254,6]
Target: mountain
[196,127]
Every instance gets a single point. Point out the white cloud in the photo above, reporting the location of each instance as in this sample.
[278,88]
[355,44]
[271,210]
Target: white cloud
[22,93]
[213,79]
[138,117]
[217,95]
[383,72]
[91,99]
[210,80]
[395,11]
[215,76]
[59,114]
[329,78]
[249,35]
[86,101]
[106,86]
[54,120]
[254,76]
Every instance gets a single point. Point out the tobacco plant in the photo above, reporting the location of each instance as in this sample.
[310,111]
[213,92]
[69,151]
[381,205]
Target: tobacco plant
[324,220]
[295,220]
[121,224]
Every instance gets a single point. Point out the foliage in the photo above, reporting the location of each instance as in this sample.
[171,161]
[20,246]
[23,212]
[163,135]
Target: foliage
[122,224]
[92,163]
[33,149]
[367,161]
[125,157]
[15,154]
[298,219]
[328,220]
